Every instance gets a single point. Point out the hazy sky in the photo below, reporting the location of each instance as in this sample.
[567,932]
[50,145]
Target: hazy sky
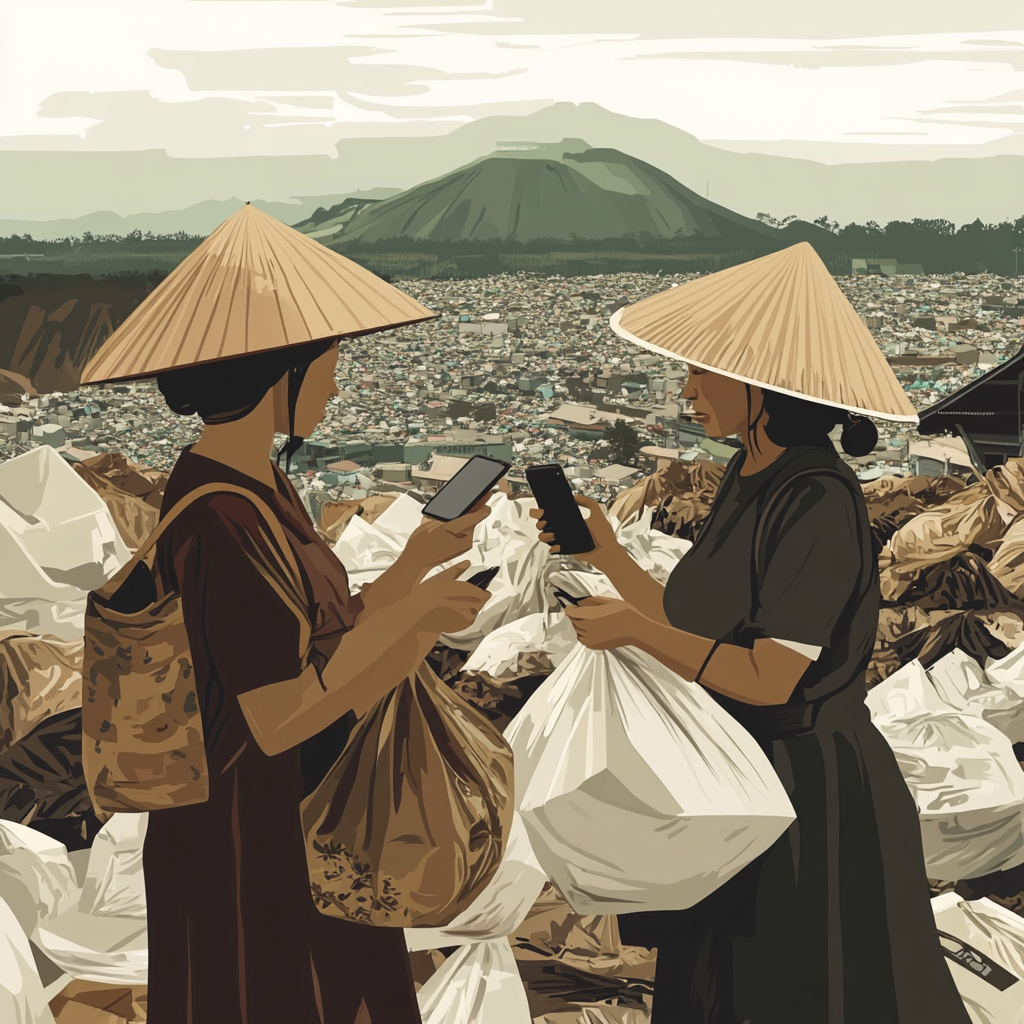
[204,78]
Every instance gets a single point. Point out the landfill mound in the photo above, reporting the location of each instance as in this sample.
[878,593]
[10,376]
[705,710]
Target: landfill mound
[951,569]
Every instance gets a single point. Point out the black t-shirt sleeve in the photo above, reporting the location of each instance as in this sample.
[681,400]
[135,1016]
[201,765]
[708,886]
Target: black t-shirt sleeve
[811,563]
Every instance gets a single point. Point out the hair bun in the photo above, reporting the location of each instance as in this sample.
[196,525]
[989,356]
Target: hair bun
[859,436]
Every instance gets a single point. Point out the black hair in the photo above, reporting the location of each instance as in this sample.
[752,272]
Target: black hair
[230,389]
[794,422]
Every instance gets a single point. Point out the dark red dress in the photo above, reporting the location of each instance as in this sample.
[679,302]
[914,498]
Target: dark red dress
[234,936]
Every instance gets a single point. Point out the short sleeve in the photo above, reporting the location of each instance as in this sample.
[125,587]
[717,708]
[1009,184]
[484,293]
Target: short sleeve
[811,564]
[250,634]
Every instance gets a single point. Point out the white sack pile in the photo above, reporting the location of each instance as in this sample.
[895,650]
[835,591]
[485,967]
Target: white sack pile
[58,541]
[961,770]
[95,931]
[984,947]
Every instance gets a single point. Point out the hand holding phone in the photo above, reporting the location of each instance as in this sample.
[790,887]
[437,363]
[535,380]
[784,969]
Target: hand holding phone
[466,488]
[561,513]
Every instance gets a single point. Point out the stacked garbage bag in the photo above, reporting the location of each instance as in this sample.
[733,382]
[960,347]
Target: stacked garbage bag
[72,901]
[607,746]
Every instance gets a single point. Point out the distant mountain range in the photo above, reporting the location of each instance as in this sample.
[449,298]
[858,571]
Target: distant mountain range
[562,191]
[198,219]
[40,186]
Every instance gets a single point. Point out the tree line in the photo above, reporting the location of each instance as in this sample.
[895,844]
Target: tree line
[938,245]
[88,238]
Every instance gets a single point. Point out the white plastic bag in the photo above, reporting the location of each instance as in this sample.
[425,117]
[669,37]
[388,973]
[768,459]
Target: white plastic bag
[508,538]
[548,632]
[583,584]
[103,938]
[962,772]
[22,999]
[501,908]
[478,984]
[114,882]
[639,792]
[37,881]
[1006,675]
[993,693]
[985,941]
[654,551]
[58,541]
[368,549]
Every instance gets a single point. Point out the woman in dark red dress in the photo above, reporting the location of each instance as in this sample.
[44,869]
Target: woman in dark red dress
[245,333]
[234,935]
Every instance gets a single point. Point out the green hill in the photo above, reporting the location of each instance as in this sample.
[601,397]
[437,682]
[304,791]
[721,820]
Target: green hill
[564,192]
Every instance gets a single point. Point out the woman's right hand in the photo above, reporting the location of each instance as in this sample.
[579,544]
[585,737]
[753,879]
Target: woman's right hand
[447,604]
[601,532]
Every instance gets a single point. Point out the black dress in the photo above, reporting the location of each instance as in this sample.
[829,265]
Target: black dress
[832,925]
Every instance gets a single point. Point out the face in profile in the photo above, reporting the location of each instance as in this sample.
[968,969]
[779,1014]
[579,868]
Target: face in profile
[318,388]
[720,402]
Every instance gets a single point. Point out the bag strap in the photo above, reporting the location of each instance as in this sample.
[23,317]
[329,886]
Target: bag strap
[111,586]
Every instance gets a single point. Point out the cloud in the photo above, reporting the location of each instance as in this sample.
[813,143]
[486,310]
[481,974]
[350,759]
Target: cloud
[510,108]
[199,128]
[844,57]
[323,69]
[780,19]
[1008,108]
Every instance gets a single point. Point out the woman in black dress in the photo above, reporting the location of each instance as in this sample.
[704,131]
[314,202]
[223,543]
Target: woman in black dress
[777,619]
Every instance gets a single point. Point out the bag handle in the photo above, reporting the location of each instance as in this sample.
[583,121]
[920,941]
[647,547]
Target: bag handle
[112,585]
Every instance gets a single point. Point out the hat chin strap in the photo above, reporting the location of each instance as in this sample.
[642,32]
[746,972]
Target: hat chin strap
[296,374]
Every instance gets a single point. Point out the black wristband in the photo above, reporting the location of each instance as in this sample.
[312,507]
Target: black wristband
[714,647]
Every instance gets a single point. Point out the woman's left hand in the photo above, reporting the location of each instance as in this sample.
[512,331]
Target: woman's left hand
[604,623]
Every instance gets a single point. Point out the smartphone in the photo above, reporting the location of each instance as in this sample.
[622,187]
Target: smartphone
[483,578]
[466,488]
[561,513]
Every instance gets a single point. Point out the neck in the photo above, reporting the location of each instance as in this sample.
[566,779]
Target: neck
[761,455]
[244,445]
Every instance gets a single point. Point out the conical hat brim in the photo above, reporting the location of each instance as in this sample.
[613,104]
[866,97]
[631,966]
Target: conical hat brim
[254,285]
[778,322]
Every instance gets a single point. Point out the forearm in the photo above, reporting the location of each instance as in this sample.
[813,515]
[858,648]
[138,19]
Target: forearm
[732,671]
[635,585]
[371,660]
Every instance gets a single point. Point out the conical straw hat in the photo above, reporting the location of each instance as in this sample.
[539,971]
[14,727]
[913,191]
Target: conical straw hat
[255,284]
[780,322]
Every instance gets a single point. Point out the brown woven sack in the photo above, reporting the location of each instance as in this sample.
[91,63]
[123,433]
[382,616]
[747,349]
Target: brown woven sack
[40,676]
[142,732]
[409,825]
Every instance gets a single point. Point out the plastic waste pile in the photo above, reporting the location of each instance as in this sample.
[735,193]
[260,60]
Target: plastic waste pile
[946,689]
[58,541]
[132,493]
[81,917]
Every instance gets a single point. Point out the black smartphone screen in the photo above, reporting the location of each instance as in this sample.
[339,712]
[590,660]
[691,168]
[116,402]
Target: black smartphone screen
[561,513]
[466,488]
